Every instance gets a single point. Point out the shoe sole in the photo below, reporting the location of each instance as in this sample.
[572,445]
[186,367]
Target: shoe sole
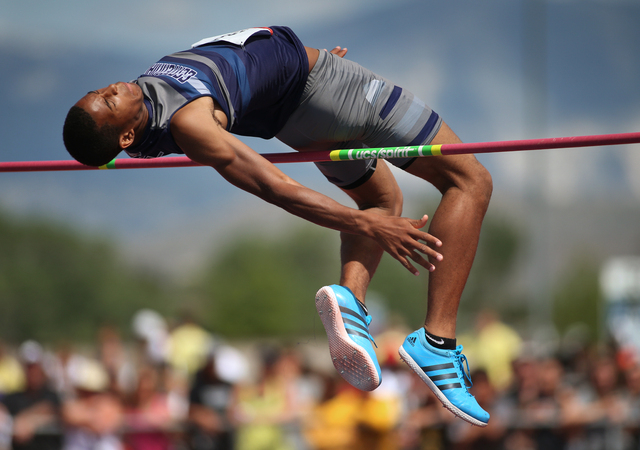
[351,361]
[438,393]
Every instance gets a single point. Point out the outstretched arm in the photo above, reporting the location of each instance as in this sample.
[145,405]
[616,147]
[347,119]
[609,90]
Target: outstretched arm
[199,131]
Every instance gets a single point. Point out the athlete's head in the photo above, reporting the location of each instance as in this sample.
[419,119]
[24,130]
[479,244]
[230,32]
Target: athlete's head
[104,122]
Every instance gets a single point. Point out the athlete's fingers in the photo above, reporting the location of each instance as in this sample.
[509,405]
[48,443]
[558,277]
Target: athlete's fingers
[424,236]
[427,243]
[339,51]
[401,254]
[407,265]
[425,249]
[420,222]
[429,239]
[418,258]
[410,243]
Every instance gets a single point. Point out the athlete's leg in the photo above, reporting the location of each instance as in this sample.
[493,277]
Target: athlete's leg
[341,307]
[466,189]
[359,255]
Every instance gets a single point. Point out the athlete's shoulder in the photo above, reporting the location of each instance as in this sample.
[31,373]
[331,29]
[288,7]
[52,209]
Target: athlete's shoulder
[207,106]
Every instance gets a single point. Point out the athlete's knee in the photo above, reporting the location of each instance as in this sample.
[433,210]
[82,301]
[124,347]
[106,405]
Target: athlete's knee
[388,203]
[482,184]
[475,181]
[464,173]
[380,193]
[394,206]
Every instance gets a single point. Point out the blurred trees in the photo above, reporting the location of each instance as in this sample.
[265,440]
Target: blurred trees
[55,283]
[258,287]
[578,300]
[492,283]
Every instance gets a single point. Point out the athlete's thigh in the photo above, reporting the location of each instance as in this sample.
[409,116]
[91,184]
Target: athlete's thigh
[381,191]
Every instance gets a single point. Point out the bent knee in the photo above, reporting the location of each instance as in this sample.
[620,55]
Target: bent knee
[461,172]
[475,181]
[388,202]
[380,194]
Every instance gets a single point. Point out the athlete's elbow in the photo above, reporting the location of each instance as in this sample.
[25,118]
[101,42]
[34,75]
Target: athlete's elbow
[218,160]
[270,194]
[278,194]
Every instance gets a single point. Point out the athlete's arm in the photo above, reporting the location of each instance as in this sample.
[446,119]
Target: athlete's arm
[198,129]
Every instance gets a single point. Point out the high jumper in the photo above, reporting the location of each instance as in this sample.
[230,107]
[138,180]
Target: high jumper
[264,82]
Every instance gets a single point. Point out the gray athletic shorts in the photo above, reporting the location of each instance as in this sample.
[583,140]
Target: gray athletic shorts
[345,106]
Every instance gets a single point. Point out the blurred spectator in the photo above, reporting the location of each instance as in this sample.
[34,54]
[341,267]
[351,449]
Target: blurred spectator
[94,417]
[466,437]
[523,392]
[35,411]
[524,386]
[188,346]
[493,348]
[545,415]
[541,403]
[574,353]
[378,420]
[333,423]
[347,418]
[11,374]
[300,393]
[60,369]
[632,385]
[389,340]
[577,400]
[150,424]
[210,426]
[265,409]
[603,409]
[424,421]
[151,329]
[176,389]
[6,425]
[112,355]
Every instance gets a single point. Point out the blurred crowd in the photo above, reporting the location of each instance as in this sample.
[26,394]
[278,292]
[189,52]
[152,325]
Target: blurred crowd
[182,387]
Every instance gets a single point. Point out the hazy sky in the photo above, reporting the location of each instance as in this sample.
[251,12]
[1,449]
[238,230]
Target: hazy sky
[469,60]
[156,25]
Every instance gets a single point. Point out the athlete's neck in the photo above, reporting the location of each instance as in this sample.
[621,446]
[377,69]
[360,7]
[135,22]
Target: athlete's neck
[141,124]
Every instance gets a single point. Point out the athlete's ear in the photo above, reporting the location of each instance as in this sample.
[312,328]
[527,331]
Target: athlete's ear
[126,138]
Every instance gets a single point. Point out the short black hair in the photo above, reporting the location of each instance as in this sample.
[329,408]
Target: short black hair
[86,142]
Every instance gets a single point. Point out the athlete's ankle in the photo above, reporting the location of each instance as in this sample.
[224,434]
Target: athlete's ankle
[357,292]
[440,342]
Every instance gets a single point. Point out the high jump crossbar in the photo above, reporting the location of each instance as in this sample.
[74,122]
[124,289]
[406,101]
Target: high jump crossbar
[345,155]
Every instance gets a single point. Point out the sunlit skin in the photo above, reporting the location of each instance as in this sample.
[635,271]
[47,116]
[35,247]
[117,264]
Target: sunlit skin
[199,129]
[121,105]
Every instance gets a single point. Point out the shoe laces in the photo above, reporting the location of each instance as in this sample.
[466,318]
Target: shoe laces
[462,363]
[367,317]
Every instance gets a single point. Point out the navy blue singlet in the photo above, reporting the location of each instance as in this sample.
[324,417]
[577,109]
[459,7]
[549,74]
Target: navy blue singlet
[258,85]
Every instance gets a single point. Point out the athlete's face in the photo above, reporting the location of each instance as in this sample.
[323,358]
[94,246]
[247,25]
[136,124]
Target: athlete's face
[120,105]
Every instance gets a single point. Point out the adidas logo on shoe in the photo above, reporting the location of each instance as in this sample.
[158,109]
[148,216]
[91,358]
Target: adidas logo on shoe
[446,373]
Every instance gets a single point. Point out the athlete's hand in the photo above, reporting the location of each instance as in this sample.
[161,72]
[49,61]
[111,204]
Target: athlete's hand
[403,239]
[339,51]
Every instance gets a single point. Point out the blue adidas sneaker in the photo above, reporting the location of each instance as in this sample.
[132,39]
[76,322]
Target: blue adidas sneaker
[444,372]
[346,322]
